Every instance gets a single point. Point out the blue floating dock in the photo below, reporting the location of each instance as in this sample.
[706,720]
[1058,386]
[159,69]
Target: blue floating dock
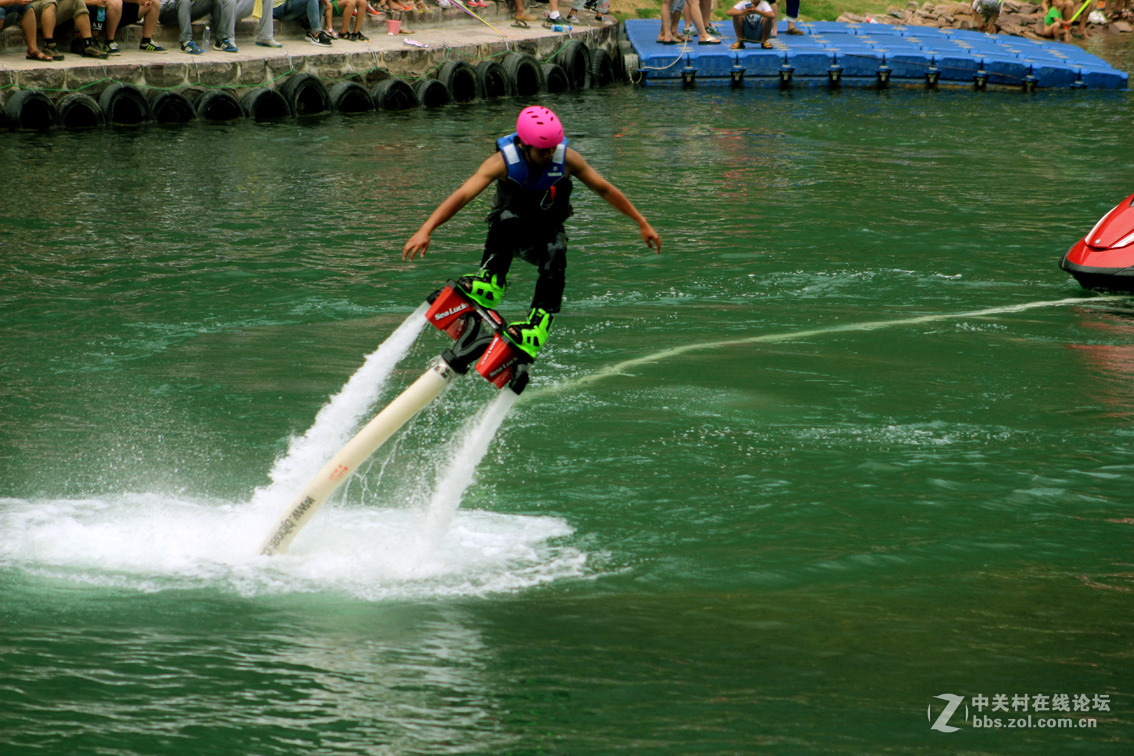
[831,54]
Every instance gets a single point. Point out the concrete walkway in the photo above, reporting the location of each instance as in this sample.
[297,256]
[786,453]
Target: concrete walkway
[445,34]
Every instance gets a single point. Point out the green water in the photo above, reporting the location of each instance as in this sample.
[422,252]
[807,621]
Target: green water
[850,443]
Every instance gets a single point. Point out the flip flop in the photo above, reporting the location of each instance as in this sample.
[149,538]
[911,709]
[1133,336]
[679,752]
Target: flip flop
[666,42]
[708,41]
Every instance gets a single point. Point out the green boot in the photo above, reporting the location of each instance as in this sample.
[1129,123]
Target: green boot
[484,288]
[532,334]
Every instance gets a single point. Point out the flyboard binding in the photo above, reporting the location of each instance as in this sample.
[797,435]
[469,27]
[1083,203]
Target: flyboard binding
[480,339]
[479,335]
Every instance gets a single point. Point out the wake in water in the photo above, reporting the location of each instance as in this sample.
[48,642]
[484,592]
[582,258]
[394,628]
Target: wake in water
[155,542]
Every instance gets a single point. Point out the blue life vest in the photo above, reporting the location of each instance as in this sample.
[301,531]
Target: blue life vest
[544,198]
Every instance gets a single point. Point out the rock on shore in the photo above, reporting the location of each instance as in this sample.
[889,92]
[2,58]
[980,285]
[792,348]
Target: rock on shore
[1017,18]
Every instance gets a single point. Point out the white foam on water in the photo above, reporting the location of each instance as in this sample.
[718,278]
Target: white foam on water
[149,542]
[154,542]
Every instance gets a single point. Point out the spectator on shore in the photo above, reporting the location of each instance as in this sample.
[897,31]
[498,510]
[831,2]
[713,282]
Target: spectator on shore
[554,17]
[695,18]
[118,13]
[987,15]
[262,11]
[792,16]
[522,15]
[11,13]
[184,12]
[1052,24]
[752,20]
[1070,8]
[348,9]
[48,12]
[291,10]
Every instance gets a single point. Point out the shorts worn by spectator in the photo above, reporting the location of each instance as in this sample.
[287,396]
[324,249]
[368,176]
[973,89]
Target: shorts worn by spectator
[12,13]
[51,12]
[752,21]
[111,15]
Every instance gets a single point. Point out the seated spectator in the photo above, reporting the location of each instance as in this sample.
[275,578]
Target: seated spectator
[1052,24]
[752,21]
[987,13]
[185,12]
[258,9]
[118,13]
[348,9]
[11,13]
[290,10]
[50,11]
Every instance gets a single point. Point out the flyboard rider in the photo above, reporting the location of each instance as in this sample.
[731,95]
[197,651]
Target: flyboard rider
[532,168]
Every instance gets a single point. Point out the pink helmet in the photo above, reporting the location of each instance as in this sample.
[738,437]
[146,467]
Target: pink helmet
[539,127]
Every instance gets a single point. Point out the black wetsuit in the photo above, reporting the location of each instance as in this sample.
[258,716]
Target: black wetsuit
[527,222]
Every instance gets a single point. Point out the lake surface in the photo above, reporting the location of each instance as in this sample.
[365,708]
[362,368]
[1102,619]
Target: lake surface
[852,443]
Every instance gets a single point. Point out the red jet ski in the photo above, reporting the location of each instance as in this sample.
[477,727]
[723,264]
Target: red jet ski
[1104,258]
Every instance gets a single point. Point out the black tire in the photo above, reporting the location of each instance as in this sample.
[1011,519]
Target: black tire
[171,107]
[602,68]
[218,105]
[30,110]
[265,104]
[493,80]
[350,97]
[575,60]
[393,94]
[306,95]
[555,78]
[124,105]
[461,80]
[79,111]
[525,72]
[431,93]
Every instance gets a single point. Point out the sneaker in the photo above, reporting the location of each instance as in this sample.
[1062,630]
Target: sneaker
[111,48]
[532,334]
[268,43]
[318,38]
[49,48]
[190,48]
[484,288]
[225,45]
[94,51]
[150,47]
